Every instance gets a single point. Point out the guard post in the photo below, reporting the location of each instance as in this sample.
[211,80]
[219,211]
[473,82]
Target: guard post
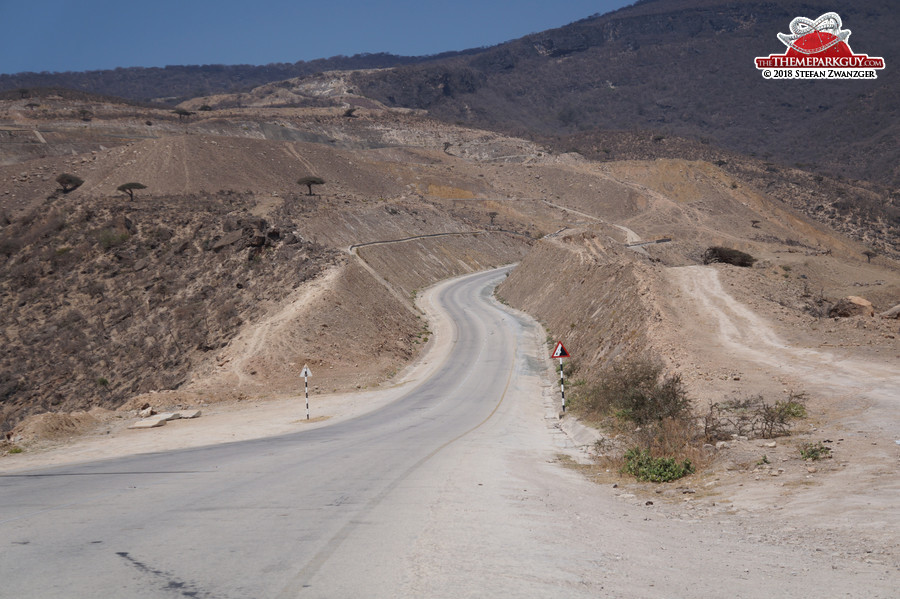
[305,373]
[560,352]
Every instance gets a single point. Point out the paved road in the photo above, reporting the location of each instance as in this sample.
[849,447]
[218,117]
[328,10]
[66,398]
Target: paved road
[454,490]
[327,512]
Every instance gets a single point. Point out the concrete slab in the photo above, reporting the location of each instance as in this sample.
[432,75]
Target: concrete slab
[581,435]
[148,423]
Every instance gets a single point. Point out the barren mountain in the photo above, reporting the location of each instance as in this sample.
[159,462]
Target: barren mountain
[675,67]
[610,86]
[225,274]
[222,277]
[202,282]
[175,82]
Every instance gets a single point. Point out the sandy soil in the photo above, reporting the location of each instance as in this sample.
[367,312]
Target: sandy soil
[845,504]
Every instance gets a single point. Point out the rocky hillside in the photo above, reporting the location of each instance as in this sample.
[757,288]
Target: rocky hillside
[174,83]
[106,299]
[865,211]
[610,87]
[599,302]
[223,276]
[675,67]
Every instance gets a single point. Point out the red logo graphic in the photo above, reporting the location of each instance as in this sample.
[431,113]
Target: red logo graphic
[818,50]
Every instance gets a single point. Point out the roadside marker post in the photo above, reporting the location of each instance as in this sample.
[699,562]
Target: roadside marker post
[305,373]
[560,352]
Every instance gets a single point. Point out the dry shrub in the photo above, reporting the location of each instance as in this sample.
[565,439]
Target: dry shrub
[637,391]
[679,437]
[660,452]
[753,417]
[725,255]
[650,409]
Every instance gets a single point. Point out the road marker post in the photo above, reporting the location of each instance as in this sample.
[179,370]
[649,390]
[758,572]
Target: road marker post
[305,373]
[560,352]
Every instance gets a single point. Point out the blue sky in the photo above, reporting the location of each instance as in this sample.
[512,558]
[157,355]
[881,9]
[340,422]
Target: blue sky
[67,35]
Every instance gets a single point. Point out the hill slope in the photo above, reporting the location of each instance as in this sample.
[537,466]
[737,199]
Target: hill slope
[678,67]
[175,82]
[223,275]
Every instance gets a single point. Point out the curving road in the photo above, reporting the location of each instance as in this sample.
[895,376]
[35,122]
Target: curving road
[454,490]
[264,518]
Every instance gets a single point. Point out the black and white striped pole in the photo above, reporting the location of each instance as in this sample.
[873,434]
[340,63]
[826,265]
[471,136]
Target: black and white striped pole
[562,385]
[305,373]
[560,352]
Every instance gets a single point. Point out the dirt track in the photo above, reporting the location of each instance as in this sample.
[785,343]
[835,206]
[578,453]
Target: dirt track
[744,333]
[848,502]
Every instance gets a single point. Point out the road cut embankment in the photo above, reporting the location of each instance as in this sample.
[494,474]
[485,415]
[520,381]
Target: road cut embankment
[590,294]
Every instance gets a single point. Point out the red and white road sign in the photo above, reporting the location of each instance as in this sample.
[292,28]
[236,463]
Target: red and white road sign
[560,351]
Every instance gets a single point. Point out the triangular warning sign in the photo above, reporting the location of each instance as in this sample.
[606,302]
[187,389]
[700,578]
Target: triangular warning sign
[560,351]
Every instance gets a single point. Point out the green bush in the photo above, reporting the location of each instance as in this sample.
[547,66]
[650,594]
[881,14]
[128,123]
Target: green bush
[814,451]
[645,467]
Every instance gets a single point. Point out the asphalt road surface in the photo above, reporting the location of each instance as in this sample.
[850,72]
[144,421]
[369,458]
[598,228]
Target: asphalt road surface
[327,512]
[453,490]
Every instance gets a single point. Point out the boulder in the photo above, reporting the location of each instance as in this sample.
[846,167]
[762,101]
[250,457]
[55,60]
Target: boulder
[228,239]
[852,306]
[148,423]
[892,313]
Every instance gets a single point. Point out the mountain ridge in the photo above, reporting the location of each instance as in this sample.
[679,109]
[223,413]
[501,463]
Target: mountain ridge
[676,67]
[679,68]
[173,83]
